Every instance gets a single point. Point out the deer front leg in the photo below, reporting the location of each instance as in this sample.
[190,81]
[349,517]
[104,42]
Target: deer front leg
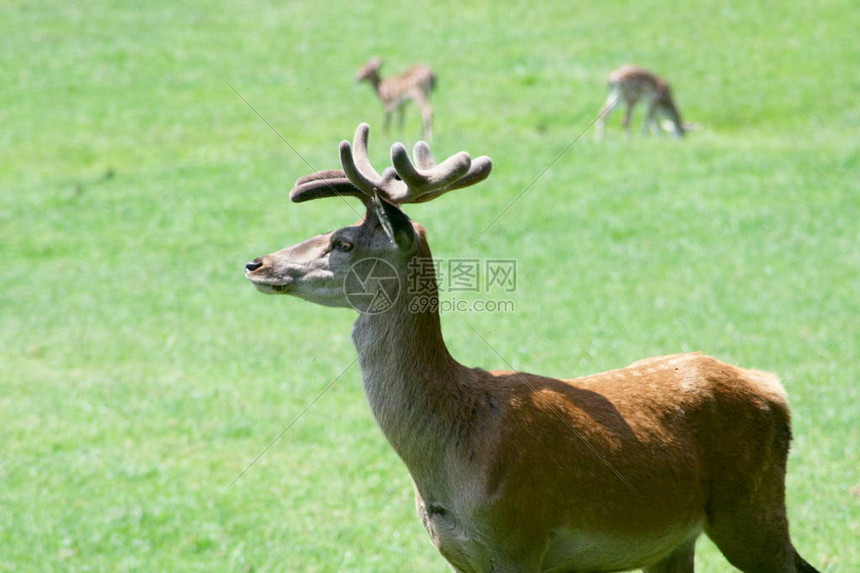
[426,116]
[649,124]
[401,118]
[604,114]
[386,126]
[628,114]
[630,101]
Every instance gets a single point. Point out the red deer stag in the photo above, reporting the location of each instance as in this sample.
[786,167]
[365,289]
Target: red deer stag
[519,473]
[414,84]
[629,85]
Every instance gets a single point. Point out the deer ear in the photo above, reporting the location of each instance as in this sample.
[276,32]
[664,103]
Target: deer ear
[401,225]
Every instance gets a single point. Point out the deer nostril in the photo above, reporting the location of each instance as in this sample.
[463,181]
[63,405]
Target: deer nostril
[253,265]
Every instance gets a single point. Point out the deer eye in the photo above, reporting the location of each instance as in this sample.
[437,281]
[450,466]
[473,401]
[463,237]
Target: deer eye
[343,246]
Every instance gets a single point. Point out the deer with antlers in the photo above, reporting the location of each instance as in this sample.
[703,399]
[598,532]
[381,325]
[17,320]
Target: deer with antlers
[519,473]
[416,84]
[629,85]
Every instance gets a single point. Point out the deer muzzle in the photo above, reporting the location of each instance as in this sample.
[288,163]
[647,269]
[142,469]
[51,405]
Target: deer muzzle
[262,273]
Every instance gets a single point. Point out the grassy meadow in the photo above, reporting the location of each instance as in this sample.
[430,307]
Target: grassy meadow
[141,375]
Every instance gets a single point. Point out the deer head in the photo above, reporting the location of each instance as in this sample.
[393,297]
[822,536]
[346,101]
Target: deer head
[316,269]
[369,70]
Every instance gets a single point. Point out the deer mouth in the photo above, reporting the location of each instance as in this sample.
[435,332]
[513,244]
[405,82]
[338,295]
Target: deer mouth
[270,286]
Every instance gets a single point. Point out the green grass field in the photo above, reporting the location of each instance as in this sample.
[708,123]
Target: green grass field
[140,373]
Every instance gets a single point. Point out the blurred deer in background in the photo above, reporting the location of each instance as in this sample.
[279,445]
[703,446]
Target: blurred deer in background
[519,473]
[630,84]
[414,84]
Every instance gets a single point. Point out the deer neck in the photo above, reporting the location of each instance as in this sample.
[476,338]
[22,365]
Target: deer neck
[667,105]
[374,80]
[411,380]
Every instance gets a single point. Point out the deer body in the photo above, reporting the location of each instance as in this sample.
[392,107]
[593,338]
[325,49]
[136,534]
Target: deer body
[515,472]
[499,465]
[628,85]
[416,84]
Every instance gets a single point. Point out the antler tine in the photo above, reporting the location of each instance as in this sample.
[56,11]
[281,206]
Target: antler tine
[386,184]
[438,177]
[360,173]
[422,155]
[425,184]
[361,156]
[326,174]
[330,183]
[478,171]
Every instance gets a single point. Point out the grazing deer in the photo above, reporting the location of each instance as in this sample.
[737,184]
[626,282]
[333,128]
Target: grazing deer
[414,84]
[519,473]
[629,85]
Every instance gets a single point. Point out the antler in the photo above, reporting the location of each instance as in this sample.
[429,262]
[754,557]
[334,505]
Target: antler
[405,182]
